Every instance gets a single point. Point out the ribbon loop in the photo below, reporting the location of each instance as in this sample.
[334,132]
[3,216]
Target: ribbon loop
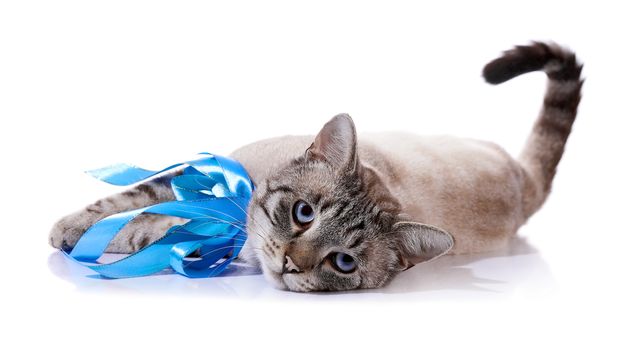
[212,193]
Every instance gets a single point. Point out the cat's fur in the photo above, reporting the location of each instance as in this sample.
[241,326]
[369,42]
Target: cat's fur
[389,200]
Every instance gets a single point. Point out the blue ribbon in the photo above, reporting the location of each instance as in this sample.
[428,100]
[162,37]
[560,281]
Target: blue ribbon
[213,193]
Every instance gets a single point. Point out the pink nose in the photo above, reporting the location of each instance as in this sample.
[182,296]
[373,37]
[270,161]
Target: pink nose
[289,266]
[299,257]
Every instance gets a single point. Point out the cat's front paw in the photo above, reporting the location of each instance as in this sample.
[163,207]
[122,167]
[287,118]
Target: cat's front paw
[66,232]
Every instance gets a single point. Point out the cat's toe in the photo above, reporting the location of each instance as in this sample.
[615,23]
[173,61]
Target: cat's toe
[65,234]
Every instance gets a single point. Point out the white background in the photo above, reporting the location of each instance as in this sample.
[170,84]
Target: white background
[88,83]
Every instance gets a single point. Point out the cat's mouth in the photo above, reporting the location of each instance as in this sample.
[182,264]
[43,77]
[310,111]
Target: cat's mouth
[286,280]
[275,277]
[291,281]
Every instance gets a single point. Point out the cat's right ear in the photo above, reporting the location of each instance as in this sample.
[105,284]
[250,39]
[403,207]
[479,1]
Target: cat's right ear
[336,144]
[419,242]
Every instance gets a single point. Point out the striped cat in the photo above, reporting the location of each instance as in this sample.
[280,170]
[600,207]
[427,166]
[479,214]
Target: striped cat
[340,212]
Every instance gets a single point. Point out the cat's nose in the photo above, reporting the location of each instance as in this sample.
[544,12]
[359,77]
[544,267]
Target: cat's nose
[299,257]
[289,266]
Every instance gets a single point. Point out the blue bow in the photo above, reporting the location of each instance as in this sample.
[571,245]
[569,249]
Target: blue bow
[213,193]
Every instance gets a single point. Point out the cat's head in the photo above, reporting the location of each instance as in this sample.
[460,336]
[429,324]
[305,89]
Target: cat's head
[327,222]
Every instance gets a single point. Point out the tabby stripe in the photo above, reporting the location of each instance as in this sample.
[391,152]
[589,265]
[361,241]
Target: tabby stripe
[548,125]
[564,102]
[356,243]
[377,216]
[353,206]
[340,209]
[282,214]
[272,191]
[262,205]
[326,205]
[357,227]
[138,242]
[316,198]
[280,188]
[93,209]
[367,208]
[148,190]
[348,212]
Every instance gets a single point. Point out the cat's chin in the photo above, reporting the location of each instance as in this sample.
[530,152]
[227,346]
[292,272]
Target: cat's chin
[276,279]
[284,282]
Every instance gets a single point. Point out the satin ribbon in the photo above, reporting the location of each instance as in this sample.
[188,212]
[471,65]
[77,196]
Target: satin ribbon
[213,193]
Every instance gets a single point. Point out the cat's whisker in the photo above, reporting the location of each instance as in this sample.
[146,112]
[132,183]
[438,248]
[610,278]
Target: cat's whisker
[261,236]
[217,249]
[225,235]
[235,240]
[259,225]
[261,231]
[237,205]
[212,251]
[239,227]
[215,218]
[234,224]
[267,253]
[224,221]
[244,211]
[210,209]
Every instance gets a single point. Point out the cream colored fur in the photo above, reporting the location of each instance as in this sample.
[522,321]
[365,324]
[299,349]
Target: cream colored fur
[472,189]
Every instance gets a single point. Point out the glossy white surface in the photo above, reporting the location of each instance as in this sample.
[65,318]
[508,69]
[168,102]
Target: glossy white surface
[84,84]
[477,276]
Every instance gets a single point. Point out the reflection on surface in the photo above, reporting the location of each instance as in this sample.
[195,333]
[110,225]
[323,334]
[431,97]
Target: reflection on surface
[518,268]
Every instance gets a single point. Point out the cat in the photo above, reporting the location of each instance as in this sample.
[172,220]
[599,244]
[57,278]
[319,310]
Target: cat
[338,212]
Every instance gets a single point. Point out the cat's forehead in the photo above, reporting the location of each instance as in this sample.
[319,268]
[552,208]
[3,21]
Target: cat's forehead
[316,178]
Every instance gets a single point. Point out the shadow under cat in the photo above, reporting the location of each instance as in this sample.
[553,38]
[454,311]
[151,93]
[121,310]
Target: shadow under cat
[518,267]
[498,272]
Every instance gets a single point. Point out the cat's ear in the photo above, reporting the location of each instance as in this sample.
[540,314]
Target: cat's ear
[419,242]
[336,143]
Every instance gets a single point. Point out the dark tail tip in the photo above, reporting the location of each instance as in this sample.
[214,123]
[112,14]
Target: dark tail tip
[559,63]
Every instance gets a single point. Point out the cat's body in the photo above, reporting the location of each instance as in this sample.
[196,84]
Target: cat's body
[470,188]
[340,212]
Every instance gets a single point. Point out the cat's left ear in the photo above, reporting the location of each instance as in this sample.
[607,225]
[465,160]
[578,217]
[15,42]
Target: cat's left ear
[419,242]
[336,144]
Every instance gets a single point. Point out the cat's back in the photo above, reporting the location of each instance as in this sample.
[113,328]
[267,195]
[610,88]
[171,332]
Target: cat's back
[415,165]
[469,187]
[412,152]
[397,154]
[407,147]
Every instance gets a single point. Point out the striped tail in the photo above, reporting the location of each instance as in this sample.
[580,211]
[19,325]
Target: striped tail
[545,145]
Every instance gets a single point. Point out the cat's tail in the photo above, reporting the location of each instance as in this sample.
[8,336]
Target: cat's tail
[545,145]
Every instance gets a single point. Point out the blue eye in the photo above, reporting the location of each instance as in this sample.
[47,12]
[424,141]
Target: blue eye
[303,213]
[343,262]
